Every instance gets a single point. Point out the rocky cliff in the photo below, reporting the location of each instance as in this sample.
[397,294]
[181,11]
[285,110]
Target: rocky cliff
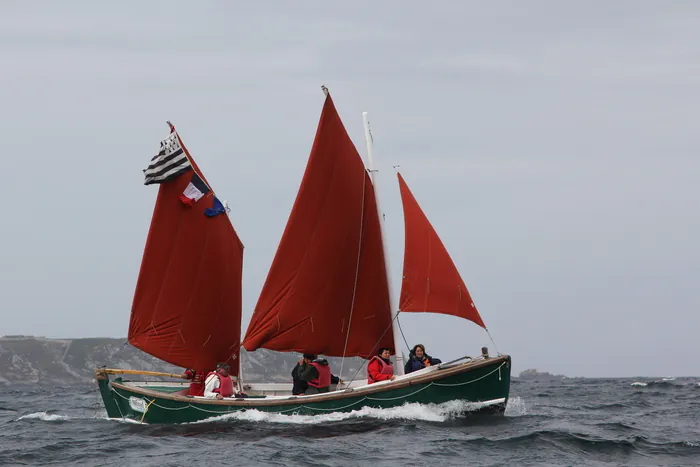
[29,359]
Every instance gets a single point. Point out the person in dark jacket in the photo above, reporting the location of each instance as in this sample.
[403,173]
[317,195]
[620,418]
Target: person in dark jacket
[299,386]
[419,359]
[313,376]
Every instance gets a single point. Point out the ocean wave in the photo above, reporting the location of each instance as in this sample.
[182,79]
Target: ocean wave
[596,443]
[53,417]
[605,406]
[671,383]
[616,426]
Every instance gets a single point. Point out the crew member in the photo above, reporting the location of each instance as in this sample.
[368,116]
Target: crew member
[218,383]
[317,374]
[380,367]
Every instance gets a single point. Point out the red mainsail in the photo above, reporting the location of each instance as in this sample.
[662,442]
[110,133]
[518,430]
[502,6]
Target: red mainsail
[327,281]
[431,282]
[187,303]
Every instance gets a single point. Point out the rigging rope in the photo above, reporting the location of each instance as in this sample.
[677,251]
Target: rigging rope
[374,347]
[109,358]
[401,329]
[493,342]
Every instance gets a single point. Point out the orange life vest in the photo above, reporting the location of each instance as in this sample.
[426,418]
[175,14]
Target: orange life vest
[225,384]
[386,369]
[323,380]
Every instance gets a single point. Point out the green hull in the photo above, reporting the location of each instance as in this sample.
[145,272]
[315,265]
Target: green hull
[485,383]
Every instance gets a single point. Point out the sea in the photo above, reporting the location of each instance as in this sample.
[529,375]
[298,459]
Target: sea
[571,422]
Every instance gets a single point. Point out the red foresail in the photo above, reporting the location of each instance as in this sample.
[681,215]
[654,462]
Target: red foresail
[187,304]
[431,282]
[327,281]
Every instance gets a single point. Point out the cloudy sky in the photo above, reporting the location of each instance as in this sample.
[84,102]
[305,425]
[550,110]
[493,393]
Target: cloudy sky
[554,147]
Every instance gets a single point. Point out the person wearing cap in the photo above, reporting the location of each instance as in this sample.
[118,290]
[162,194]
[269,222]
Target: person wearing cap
[316,373]
[218,383]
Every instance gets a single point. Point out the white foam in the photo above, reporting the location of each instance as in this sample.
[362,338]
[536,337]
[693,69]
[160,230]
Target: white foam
[43,416]
[48,417]
[411,411]
[516,407]
[669,378]
[637,383]
[127,421]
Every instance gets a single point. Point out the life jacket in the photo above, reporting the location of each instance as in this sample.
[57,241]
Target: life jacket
[415,364]
[197,384]
[225,384]
[323,380]
[387,369]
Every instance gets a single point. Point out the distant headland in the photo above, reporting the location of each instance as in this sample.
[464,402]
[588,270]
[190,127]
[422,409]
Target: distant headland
[534,375]
[39,360]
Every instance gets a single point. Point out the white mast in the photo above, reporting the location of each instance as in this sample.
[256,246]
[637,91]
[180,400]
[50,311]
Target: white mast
[392,298]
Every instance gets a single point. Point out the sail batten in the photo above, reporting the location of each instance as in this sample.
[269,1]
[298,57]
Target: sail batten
[431,282]
[187,303]
[328,272]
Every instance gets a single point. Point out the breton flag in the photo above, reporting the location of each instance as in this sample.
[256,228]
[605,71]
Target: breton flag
[170,161]
[194,191]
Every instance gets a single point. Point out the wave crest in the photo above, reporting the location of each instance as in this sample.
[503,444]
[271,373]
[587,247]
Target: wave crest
[43,416]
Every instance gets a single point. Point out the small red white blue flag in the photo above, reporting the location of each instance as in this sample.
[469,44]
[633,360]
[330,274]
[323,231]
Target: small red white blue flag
[195,190]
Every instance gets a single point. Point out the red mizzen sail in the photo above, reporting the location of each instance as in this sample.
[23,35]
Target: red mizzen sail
[328,274]
[187,303]
[431,282]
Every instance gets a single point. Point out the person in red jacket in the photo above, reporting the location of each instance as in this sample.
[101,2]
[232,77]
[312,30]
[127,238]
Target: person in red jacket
[380,367]
[197,384]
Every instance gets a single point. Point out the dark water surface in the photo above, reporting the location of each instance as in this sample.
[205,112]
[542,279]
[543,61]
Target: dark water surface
[592,422]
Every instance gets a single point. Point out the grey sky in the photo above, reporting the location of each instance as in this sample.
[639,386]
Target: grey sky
[554,147]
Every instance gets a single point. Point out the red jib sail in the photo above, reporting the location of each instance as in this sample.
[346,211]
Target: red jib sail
[431,282]
[327,281]
[187,303]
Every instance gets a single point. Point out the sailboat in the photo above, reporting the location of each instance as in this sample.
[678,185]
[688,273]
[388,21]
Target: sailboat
[328,292]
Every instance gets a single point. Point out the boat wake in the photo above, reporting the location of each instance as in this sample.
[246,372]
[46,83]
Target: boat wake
[410,411]
[516,407]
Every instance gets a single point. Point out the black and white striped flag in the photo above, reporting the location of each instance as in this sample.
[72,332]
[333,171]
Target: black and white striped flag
[170,162]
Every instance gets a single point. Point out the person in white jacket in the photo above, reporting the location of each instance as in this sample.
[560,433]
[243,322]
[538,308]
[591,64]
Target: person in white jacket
[218,383]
